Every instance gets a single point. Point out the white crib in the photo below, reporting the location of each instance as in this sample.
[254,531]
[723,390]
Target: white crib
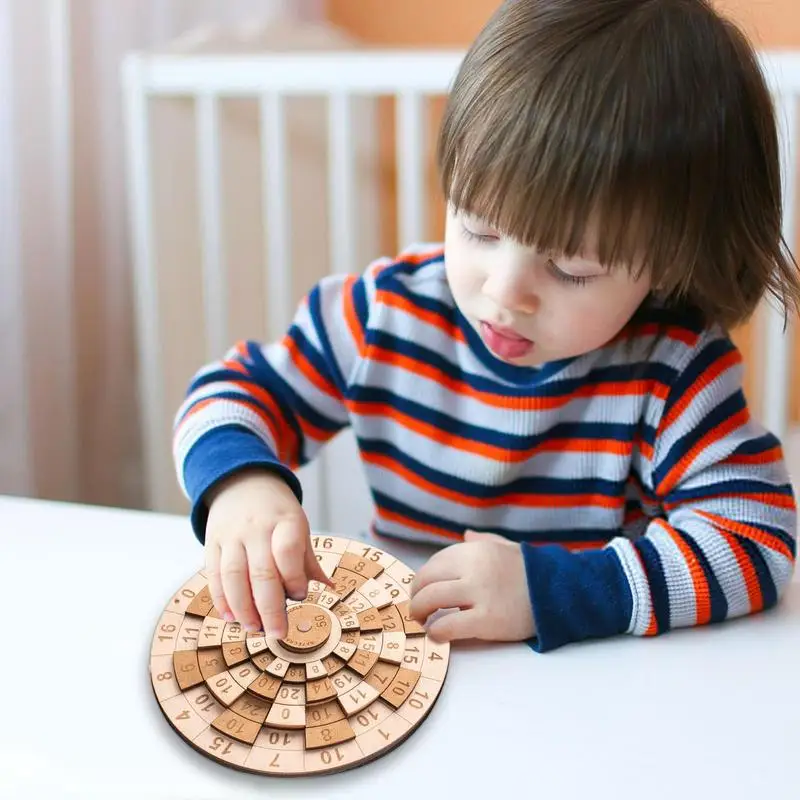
[343,81]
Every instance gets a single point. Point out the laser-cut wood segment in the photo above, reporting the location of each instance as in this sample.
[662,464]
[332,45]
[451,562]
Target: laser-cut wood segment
[351,680]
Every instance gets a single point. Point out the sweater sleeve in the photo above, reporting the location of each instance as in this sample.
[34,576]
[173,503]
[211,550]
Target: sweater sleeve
[723,545]
[272,406]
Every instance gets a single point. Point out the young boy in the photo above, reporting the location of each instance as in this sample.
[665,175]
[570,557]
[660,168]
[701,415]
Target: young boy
[558,375]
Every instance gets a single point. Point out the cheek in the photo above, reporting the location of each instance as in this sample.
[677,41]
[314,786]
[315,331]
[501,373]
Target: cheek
[594,316]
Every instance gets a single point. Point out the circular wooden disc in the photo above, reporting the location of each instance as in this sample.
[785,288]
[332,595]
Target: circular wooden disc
[352,679]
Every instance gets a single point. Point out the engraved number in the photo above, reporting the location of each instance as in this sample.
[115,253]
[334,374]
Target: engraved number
[188,593]
[418,704]
[327,543]
[164,676]
[327,758]
[218,742]
[362,718]
[373,555]
[204,698]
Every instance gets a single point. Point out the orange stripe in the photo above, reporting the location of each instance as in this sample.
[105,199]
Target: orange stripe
[767,498]
[287,450]
[422,314]
[309,371]
[489,451]
[673,477]
[750,532]
[401,519]
[608,388]
[262,415]
[767,457]
[702,594]
[308,428]
[675,332]
[746,567]
[708,375]
[508,499]
[573,546]
[351,317]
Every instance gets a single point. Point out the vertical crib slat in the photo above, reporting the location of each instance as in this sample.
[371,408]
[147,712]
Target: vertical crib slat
[277,219]
[214,279]
[157,466]
[777,349]
[341,187]
[410,137]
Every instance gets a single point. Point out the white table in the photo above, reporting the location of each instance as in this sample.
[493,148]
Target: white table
[709,713]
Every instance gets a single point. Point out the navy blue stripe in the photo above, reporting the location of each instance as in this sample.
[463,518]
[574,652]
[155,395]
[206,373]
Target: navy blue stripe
[571,534]
[720,413]
[532,485]
[286,396]
[654,570]
[719,605]
[312,355]
[736,486]
[563,388]
[701,362]
[360,305]
[756,445]
[447,424]
[256,364]
[768,590]
[778,533]
[242,399]
[315,311]
[408,266]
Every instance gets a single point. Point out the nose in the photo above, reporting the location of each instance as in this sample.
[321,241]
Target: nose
[511,286]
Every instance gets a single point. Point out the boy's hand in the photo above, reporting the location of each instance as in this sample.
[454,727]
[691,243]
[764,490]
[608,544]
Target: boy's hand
[258,551]
[485,578]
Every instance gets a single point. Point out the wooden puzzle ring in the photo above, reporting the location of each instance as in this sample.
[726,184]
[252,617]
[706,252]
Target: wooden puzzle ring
[352,679]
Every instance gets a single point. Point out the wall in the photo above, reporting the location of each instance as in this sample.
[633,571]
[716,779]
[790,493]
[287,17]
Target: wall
[453,23]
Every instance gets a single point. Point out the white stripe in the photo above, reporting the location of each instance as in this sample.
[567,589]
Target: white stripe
[680,587]
[519,518]
[642,608]
[719,553]
[210,418]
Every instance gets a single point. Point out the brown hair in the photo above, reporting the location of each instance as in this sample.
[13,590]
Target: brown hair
[650,119]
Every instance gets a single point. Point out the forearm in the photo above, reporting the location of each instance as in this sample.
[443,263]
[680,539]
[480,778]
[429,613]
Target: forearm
[698,568]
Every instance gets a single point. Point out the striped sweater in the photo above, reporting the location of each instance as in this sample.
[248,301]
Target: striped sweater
[643,494]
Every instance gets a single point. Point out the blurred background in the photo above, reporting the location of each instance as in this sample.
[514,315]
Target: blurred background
[84,346]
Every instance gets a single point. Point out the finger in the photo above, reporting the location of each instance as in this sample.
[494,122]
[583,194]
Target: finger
[456,625]
[288,550]
[236,585]
[212,571]
[436,596]
[267,586]
[314,569]
[441,566]
[476,536]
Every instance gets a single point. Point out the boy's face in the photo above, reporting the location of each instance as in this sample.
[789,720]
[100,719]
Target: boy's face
[531,308]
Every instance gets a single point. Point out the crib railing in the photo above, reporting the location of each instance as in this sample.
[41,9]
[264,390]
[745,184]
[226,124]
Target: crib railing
[339,77]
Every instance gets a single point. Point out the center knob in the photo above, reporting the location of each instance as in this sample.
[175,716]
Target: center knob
[309,628]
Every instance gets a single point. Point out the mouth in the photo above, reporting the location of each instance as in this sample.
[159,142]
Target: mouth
[505,342]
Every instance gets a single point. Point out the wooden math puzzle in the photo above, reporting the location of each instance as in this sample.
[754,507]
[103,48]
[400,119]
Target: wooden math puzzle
[352,679]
